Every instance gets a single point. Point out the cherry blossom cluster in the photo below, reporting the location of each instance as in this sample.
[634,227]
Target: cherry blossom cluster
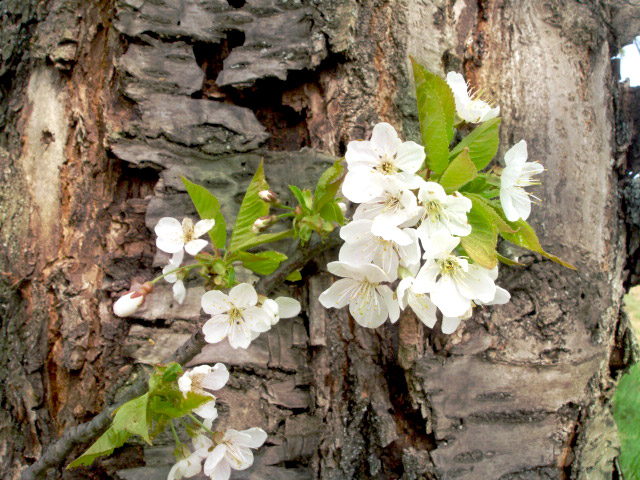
[220,451]
[408,228]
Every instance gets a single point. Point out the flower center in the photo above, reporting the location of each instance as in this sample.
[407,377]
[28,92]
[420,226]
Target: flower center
[450,266]
[235,315]
[196,382]
[387,166]
[433,209]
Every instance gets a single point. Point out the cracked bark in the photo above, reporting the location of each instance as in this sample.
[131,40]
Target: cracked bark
[105,104]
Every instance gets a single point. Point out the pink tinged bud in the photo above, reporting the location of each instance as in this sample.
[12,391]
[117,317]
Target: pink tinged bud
[268,196]
[263,222]
[129,303]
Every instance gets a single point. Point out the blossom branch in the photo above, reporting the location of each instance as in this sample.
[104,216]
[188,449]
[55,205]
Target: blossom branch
[56,453]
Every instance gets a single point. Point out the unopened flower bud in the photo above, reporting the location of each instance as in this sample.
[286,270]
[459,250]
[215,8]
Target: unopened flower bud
[263,222]
[342,207]
[129,303]
[269,196]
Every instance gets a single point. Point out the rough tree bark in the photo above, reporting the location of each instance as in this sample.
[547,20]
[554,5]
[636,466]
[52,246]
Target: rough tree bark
[106,103]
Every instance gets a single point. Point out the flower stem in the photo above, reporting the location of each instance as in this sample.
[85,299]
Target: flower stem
[184,268]
[285,215]
[200,424]
[175,434]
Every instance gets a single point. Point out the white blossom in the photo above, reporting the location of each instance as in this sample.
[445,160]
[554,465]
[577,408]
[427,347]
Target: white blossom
[235,316]
[395,206]
[199,380]
[174,236]
[281,307]
[452,282]
[362,246]
[370,302]
[371,163]
[516,175]
[187,467]
[469,108]
[420,303]
[232,451]
[442,213]
[179,291]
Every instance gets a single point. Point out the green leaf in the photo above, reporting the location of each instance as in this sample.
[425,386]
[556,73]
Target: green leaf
[480,244]
[459,172]
[626,411]
[251,209]
[262,263]
[264,238]
[436,110]
[304,197]
[131,418]
[331,212]
[105,445]
[328,185]
[483,143]
[172,372]
[526,237]
[491,211]
[208,207]
[177,406]
[294,276]
[508,261]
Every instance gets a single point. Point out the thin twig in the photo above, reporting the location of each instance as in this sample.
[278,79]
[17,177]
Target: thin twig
[56,453]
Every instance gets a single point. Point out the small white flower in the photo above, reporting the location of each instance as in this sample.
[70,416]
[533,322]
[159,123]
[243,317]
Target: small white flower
[173,236]
[452,282]
[371,163]
[469,107]
[442,213]
[420,303]
[235,316]
[129,303]
[199,380]
[187,467]
[370,303]
[179,291]
[281,307]
[516,175]
[232,451]
[395,206]
[362,246]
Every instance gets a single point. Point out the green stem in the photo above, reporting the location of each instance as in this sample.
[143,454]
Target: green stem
[186,268]
[285,215]
[200,424]
[175,434]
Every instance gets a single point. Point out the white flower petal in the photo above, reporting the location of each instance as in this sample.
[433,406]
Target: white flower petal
[207,411]
[170,237]
[222,471]
[516,155]
[288,307]
[368,308]
[477,284]
[257,319]
[410,157]
[214,302]
[257,437]
[240,335]
[339,294]
[384,139]
[392,304]
[216,328]
[179,291]
[360,153]
[424,308]
[359,185]
[127,304]
[214,458]
[217,377]
[184,383]
[243,295]
[202,227]
[449,324]
[448,298]
[194,246]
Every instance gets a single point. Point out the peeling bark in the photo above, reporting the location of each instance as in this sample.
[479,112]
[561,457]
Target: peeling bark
[105,104]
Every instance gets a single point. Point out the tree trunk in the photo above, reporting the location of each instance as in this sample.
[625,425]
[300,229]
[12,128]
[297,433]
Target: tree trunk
[106,103]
